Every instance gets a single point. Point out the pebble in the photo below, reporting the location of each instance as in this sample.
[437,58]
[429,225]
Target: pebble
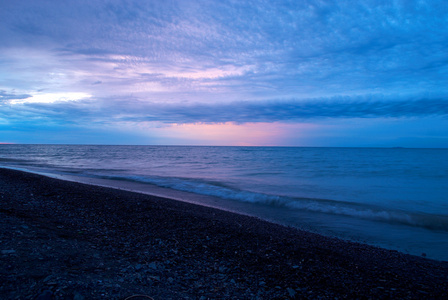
[217,271]
[291,292]
[222,269]
[46,295]
[78,296]
[153,266]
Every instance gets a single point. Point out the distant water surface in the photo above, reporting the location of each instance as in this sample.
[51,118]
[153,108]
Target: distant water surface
[395,198]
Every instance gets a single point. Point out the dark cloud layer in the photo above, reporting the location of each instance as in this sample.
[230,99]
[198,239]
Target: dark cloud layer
[5,96]
[238,112]
[290,111]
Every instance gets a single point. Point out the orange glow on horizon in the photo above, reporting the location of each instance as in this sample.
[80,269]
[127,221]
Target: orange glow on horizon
[231,134]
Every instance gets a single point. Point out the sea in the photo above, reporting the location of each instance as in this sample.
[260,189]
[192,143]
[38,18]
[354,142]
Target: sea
[394,198]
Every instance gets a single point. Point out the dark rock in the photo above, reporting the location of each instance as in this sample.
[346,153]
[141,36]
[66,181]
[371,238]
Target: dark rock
[291,292]
[45,295]
[78,296]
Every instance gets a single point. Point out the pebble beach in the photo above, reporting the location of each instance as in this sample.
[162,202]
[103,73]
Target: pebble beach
[67,240]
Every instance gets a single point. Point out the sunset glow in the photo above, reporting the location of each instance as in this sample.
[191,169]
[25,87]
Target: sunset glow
[248,134]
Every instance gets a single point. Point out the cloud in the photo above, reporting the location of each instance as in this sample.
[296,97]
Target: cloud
[230,50]
[291,111]
[5,96]
[94,111]
[223,61]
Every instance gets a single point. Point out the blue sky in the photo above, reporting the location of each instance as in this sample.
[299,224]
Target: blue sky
[293,73]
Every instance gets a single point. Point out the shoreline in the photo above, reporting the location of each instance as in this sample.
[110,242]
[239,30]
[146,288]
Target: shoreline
[307,221]
[67,239]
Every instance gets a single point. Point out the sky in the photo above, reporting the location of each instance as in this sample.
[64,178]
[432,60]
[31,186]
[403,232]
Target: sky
[268,73]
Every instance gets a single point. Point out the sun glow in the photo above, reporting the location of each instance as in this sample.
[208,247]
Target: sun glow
[226,134]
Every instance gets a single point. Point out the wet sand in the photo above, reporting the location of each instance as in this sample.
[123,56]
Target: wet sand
[66,240]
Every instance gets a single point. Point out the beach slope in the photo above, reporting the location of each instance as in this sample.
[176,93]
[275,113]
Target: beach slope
[66,240]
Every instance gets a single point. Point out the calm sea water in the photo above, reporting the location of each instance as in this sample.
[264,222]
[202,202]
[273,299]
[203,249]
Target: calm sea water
[393,198]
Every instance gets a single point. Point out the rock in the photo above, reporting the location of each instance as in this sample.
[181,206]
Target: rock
[48,278]
[291,292]
[8,252]
[46,295]
[156,278]
[78,296]
[222,269]
[152,265]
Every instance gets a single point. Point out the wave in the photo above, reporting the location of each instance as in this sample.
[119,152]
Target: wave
[355,210]
[13,160]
